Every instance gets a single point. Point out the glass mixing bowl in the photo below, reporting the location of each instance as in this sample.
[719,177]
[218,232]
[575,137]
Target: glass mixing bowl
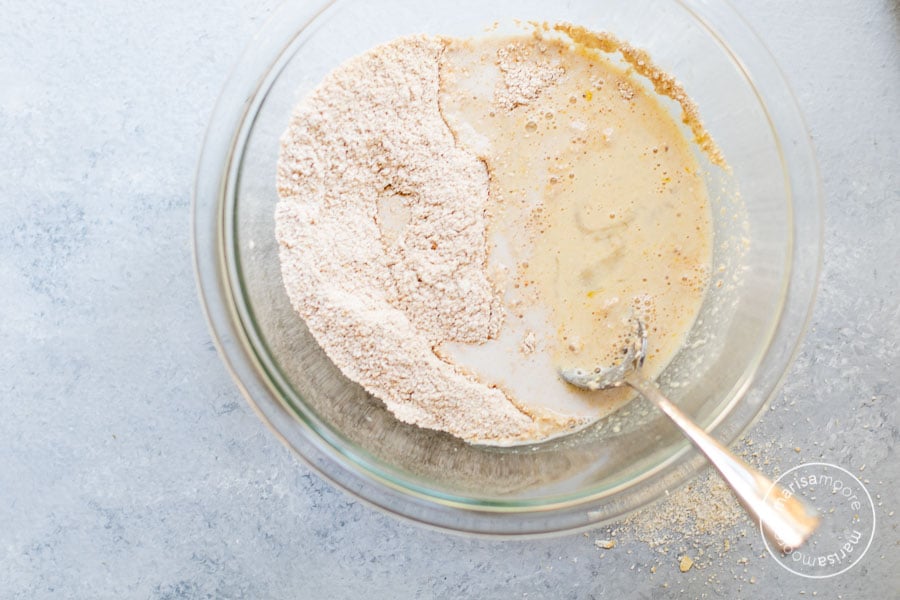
[768,221]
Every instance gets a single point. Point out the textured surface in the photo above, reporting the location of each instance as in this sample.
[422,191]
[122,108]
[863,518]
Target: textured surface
[131,467]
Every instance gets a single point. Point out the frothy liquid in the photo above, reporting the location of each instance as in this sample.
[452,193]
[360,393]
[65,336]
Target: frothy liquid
[597,212]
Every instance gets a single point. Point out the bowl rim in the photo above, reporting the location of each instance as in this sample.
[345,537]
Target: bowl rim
[215,179]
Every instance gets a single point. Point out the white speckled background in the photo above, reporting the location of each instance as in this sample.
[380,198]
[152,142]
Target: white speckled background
[130,466]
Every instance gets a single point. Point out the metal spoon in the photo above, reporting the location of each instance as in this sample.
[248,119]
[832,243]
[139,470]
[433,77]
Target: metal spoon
[786,520]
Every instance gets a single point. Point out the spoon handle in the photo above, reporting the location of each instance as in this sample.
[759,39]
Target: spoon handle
[785,519]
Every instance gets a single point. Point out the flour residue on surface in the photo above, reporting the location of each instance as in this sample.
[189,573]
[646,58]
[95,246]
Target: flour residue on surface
[459,218]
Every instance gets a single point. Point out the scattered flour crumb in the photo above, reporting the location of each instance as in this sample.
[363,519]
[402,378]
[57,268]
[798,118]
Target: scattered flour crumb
[526,73]
[529,344]
[625,90]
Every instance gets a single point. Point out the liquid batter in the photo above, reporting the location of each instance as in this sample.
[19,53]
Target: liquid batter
[597,213]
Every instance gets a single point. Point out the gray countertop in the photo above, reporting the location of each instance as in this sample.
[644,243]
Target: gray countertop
[130,466]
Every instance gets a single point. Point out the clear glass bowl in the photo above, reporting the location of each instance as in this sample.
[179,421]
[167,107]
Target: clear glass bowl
[768,251]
